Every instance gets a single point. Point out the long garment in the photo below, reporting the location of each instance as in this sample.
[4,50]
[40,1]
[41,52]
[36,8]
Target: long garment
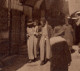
[61,56]
[32,43]
[44,44]
[35,41]
[69,34]
[77,34]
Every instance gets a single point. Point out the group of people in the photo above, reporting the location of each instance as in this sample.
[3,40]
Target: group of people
[34,33]
[54,45]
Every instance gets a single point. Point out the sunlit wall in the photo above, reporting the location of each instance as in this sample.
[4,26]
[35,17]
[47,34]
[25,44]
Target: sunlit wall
[74,5]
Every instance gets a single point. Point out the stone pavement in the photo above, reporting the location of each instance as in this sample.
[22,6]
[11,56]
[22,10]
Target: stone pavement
[75,64]
[35,67]
[19,63]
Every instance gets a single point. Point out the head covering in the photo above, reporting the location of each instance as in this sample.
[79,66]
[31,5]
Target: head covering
[68,17]
[30,22]
[78,12]
[74,18]
[58,31]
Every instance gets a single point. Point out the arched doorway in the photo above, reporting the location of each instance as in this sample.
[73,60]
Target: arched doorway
[55,11]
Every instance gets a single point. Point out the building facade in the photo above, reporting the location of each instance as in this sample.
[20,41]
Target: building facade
[22,10]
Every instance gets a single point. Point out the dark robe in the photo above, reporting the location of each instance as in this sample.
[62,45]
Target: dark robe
[77,34]
[61,56]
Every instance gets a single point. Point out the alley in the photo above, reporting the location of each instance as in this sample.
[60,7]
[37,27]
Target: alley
[20,64]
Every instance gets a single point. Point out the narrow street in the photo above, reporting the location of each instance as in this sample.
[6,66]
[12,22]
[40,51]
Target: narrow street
[20,64]
[26,27]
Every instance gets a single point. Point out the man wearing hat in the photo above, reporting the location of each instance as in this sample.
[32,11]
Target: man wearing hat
[44,42]
[61,57]
[31,41]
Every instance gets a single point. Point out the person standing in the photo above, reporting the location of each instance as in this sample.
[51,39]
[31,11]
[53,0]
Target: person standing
[61,57]
[35,38]
[44,42]
[31,41]
[69,33]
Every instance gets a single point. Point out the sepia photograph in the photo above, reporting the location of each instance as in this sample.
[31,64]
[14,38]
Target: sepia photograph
[39,35]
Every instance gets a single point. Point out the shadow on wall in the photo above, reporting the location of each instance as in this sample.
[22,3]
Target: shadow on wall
[14,63]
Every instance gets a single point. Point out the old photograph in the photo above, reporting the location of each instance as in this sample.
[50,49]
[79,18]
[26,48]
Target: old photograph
[39,35]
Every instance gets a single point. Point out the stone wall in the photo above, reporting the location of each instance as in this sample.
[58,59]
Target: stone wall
[12,35]
[4,35]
